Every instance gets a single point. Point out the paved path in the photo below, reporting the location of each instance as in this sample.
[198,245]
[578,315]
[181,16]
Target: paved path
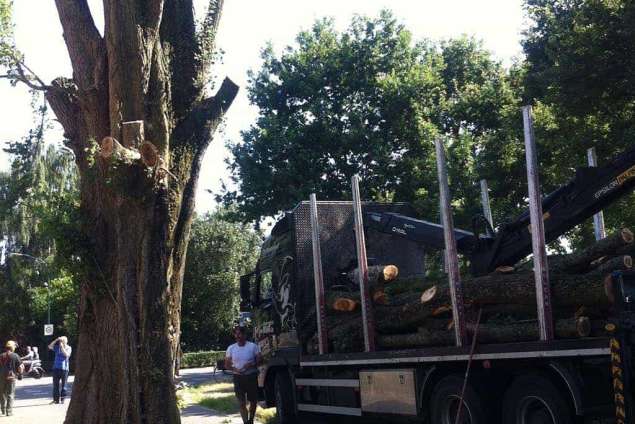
[33,397]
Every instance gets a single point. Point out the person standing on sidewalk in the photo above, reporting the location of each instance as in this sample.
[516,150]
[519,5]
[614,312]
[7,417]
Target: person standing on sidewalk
[12,370]
[243,358]
[60,367]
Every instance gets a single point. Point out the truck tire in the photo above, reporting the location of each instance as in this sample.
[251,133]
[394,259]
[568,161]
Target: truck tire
[534,399]
[445,401]
[285,403]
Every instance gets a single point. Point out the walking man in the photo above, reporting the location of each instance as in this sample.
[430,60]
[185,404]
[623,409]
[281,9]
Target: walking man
[60,367]
[11,368]
[243,358]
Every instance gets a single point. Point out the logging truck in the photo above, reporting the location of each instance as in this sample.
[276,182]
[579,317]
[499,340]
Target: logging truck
[314,363]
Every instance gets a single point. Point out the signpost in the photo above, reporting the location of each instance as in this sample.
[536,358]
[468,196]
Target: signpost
[48,329]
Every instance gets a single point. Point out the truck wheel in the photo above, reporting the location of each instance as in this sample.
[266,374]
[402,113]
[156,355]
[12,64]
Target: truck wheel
[533,399]
[285,405]
[446,398]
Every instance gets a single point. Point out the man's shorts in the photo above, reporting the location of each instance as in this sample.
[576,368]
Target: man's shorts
[246,385]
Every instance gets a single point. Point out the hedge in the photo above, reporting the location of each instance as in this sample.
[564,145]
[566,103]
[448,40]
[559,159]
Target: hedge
[201,359]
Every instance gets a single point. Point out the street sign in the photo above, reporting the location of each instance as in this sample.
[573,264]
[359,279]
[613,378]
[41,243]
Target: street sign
[48,329]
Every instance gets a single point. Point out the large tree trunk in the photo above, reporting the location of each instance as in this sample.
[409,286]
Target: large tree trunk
[149,66]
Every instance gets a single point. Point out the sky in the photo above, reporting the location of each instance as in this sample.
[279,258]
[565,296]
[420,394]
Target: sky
[246,26]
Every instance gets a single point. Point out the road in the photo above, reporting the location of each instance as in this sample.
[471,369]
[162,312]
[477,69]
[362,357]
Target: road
[33,402]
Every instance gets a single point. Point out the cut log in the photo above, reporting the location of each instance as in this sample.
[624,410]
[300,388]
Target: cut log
[487,333]
[505,269]
[110,147]
[377,273]
[406,285]
[132,133]
[519,288]
[581,261]
[341,301]
[379,297]
[527,331]
[609,265]
[149,154]
[421,338]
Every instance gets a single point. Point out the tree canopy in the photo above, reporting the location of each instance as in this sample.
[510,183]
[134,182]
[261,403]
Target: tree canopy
[580,70]
[367,101]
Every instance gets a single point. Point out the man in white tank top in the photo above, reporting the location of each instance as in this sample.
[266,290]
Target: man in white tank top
[243,358]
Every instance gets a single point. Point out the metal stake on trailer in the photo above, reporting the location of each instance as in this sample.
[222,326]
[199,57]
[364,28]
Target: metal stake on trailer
[368,323]
[318,277]
[598,218]
[452,259]
[541,270]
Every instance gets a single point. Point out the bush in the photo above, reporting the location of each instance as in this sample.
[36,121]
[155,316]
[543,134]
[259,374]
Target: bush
[201,359]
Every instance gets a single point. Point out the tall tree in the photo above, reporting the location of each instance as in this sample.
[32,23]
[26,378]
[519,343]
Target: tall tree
[219,252]
[150,64]
[369,100]
[580,71]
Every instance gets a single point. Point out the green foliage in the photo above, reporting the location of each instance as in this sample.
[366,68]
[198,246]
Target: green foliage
[38,216]
[368,101]
[63,294]
[201,359]
[219,252]
[7,47]
[581,70]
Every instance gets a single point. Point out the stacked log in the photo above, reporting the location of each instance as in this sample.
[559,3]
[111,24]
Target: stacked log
[415,312]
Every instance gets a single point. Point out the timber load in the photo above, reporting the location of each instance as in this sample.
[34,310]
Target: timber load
[411,312]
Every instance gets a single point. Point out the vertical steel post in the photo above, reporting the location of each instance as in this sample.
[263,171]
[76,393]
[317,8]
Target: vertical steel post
[487,211]
[318,277]
[456,290]
[598,218]
[541,270]
[368,323]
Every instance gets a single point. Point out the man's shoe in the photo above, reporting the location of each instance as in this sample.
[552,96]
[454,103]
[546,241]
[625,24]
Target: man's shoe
[55,401]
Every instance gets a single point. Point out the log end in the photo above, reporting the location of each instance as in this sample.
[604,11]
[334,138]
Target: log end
[149,154]
[380,298]
[441,310]
[505,269]
[108,146]
[390,273]
[627,235]
[583,326]
[628,261]
[429,294]
[342,304]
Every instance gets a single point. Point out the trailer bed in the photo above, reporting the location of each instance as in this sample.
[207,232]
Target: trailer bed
[597,346]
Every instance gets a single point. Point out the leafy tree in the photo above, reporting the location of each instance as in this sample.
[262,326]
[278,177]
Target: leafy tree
[42,178]
[580,61]
[151,64]
[368,101]
[219,252]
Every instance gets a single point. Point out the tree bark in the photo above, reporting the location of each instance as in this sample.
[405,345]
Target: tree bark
[147,67]
[487,333]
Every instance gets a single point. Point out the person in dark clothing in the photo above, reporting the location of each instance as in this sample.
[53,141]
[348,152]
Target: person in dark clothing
[60,367]
[11,368]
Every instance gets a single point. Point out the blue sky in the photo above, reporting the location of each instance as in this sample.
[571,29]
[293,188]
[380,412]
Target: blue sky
[246,26]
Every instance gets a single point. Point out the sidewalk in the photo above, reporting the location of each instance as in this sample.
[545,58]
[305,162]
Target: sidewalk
[33,397]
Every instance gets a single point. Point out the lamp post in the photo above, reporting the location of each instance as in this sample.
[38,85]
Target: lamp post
[48,300]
